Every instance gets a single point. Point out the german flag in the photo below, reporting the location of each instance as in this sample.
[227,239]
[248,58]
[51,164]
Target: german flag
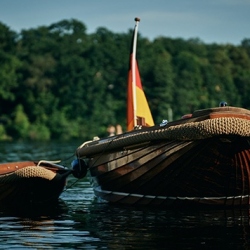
[138,111]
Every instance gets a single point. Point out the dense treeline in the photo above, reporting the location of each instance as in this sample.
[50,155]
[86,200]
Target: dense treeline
[58,82]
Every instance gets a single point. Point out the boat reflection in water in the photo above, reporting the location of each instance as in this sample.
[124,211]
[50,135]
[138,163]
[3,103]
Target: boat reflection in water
[78,220]
[101,225]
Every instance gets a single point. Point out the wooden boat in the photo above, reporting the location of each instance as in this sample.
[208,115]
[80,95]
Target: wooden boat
[32,182]
[204,159]
[201,159]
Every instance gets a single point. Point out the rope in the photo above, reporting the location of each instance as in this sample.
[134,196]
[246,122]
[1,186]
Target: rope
[184,132]
[28,172]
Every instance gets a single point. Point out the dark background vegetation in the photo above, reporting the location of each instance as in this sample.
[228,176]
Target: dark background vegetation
[58,82]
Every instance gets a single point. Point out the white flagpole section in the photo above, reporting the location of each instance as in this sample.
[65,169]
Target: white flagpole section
[137,20]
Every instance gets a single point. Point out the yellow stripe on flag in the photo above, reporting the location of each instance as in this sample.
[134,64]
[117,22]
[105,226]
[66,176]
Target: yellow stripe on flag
[143,107]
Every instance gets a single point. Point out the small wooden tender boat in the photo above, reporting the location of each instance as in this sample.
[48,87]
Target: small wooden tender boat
[202,158]
[30,181]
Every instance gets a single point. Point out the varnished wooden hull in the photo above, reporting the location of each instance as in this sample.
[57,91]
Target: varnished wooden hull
[26,182]
[207,171]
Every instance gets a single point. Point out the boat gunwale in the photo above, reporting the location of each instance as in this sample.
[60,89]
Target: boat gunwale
[230,116]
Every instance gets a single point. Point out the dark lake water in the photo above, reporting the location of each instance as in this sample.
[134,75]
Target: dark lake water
[79,221]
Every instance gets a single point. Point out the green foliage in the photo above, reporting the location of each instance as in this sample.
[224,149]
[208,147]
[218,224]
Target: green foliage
[19,128]
[3,134]
[38,131]
[8,76]
[58,82]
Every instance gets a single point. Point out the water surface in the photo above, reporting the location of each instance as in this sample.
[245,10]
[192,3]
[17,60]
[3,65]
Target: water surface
[79,221]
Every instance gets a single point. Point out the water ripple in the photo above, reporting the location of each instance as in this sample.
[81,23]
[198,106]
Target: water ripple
[79,221]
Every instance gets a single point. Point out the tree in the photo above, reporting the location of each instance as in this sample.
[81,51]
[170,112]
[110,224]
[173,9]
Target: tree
[8,70]
[19,128]
[240,73]
[159,81]
[223,87]
[190,90]
[73,85]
